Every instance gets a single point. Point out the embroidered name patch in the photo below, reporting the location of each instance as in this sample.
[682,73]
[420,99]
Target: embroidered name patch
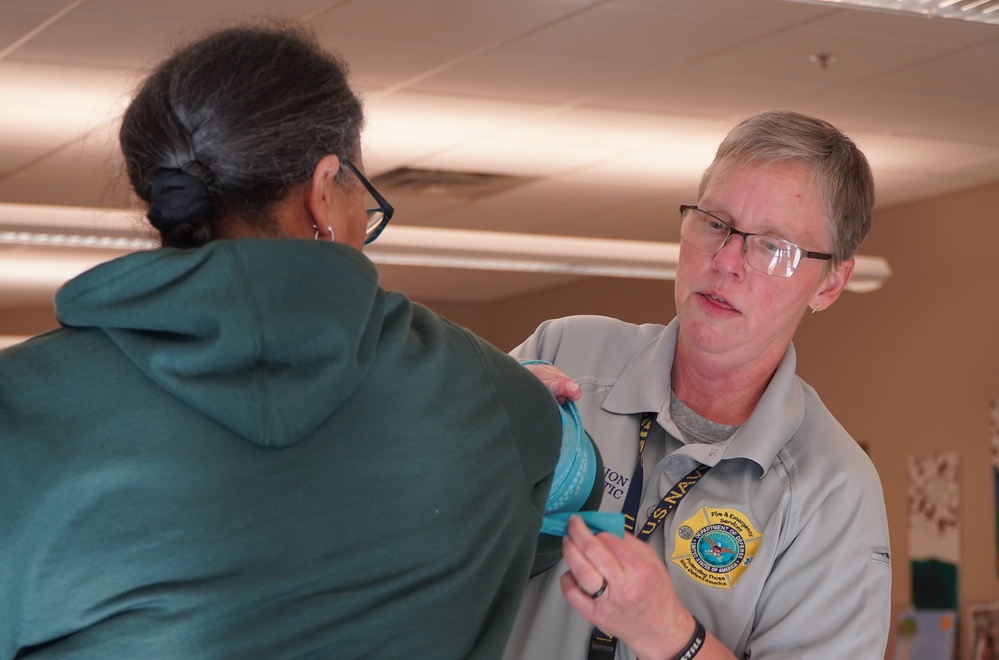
[715,546]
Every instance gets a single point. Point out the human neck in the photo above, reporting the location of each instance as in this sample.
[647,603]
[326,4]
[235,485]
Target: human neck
[716,390]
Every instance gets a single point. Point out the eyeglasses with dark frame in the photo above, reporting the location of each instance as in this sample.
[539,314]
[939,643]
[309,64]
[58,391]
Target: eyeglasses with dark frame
[768,254]
[377,218]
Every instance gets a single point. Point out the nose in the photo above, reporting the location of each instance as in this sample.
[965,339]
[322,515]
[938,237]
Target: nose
[730,258]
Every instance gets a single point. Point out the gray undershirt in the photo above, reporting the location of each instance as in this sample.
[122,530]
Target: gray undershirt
[696,428]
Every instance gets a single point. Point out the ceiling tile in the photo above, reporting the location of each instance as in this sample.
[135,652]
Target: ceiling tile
[787,55]
[103,42]
[872,107]
[85,172]
[202,10]
[699,91]
[16,156]
[674,164]
[895,153]
[379,62]
[653,219]
[16,22]
[542,207]
[968,74]
[776,11]
[69,191]
[896,188]
[552,79]
[48,6]
[622,130]
[519,157]
[637,35]
[477,23]
[448,115]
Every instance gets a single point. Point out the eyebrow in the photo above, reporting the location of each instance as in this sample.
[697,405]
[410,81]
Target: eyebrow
[726,217]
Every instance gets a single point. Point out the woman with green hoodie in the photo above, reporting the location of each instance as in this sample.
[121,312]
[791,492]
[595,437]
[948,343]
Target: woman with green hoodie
[238,445]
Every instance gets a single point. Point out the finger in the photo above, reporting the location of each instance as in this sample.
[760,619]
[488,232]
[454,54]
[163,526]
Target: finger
[578,599]
[597,549]
[566,389]
[561,386]
[592,565]
[585,574]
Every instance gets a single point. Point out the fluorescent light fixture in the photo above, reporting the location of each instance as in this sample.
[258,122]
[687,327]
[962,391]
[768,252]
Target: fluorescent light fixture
[62,239]
[400,245]
[489,250]
[978,11]
[458,248]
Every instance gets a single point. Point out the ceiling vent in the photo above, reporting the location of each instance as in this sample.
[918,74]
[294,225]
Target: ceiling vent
[446,183]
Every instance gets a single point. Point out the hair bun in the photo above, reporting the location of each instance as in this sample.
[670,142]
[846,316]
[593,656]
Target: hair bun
[175,197]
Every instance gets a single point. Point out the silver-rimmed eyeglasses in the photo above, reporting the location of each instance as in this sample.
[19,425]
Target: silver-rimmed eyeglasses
[767,254]
[377,217]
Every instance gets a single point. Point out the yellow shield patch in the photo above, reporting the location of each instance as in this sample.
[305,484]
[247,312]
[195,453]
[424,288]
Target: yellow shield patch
[716,546]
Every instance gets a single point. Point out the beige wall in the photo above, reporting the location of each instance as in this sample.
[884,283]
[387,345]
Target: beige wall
[27,320]
[908,369]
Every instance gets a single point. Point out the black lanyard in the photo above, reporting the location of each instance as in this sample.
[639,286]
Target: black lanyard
[602,645]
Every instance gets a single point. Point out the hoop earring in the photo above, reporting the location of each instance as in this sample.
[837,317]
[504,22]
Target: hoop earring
[328,228]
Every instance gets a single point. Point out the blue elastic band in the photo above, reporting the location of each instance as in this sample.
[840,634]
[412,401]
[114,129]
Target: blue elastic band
[556,523]
[574,477]
[573,481]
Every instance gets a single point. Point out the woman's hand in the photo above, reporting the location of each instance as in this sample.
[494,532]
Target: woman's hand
[638,604]
[563,387]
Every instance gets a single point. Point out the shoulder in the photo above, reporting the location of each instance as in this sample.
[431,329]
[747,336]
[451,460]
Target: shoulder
[821,433]
[588,339]
[46,358]
[830,471]
[594,327]
[437,362]
[469,361]
[52,381]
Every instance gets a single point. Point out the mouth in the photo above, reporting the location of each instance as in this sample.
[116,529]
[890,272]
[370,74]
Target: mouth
[718,301]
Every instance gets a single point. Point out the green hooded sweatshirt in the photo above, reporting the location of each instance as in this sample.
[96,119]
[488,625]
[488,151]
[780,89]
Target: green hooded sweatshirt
[250,450]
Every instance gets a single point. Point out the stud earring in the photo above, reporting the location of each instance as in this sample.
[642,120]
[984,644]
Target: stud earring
[815,309]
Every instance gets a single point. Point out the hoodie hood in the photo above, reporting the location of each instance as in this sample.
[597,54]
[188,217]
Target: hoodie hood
[266,337]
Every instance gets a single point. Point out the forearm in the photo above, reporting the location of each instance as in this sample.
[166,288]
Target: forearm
[702,646]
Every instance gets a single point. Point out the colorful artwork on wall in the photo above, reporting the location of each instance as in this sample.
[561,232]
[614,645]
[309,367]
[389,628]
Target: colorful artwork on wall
[925,635]
[983,629]
[934,526]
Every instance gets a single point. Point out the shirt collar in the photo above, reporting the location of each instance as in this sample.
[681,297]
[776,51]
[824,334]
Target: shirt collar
[644,386]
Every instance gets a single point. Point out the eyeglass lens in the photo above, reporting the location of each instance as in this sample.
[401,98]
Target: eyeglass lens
[379,212]
[773,256]
[376,223]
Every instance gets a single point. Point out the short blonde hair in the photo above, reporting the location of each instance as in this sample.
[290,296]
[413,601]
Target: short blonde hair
[839,166]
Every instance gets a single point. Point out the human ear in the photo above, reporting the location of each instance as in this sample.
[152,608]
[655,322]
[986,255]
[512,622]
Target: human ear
[833,284]
[322,198]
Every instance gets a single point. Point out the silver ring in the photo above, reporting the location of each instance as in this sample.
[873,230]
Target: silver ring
[598,593]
